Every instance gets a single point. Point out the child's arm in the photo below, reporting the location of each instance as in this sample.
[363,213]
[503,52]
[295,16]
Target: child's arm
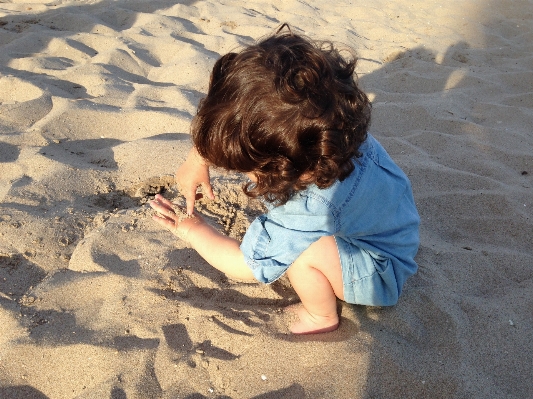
[220,251]
[192,173]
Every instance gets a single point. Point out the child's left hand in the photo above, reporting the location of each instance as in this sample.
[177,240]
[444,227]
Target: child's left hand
[178,223]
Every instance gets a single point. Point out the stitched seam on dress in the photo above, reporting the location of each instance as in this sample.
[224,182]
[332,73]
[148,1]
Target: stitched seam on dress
[261,245]
[362,168]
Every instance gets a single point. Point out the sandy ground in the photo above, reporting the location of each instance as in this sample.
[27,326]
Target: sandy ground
[96,301]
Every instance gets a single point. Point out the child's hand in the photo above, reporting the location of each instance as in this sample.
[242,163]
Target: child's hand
[173,218]
[192,173]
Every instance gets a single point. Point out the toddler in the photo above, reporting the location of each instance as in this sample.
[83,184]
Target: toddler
[341,218]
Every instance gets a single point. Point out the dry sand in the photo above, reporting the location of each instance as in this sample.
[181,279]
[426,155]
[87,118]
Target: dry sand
[96,301]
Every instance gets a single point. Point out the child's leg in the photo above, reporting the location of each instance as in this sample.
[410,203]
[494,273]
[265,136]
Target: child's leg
[316,276]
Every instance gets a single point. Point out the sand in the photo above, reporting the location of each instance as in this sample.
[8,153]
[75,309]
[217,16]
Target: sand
[96,301]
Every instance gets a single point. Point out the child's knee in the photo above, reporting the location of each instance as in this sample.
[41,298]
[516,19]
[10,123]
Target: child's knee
[321,253]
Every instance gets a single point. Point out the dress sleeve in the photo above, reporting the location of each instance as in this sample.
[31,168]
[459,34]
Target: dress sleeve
[274,240]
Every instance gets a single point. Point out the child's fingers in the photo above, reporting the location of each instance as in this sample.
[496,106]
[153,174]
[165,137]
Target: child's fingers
[190,197]
[157,206]
[162,200]
[208,189]
[168,210]
[165,222]
[161,203]
[165,212]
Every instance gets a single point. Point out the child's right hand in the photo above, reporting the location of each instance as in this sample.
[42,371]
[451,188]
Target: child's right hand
[192,173]
[173,218]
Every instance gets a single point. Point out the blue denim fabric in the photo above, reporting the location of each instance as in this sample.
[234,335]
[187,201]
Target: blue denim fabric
[372,216]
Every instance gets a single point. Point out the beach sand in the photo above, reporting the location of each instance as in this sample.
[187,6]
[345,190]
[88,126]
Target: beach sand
[97,301]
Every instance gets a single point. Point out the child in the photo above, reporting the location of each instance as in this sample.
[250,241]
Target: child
[341,218]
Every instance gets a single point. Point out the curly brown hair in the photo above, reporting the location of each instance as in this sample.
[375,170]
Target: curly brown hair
[286,109]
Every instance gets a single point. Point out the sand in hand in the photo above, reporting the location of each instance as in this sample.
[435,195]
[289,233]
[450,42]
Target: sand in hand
[97,301]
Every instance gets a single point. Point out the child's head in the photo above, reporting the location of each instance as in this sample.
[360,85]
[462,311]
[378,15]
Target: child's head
[286,109]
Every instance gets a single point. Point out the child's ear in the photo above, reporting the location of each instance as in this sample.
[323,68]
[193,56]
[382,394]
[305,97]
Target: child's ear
[220,68]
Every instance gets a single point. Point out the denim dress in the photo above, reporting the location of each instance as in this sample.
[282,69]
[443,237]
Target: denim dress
[372,216]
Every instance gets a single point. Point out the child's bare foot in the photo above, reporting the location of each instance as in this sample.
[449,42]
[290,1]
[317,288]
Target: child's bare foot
[311,324]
